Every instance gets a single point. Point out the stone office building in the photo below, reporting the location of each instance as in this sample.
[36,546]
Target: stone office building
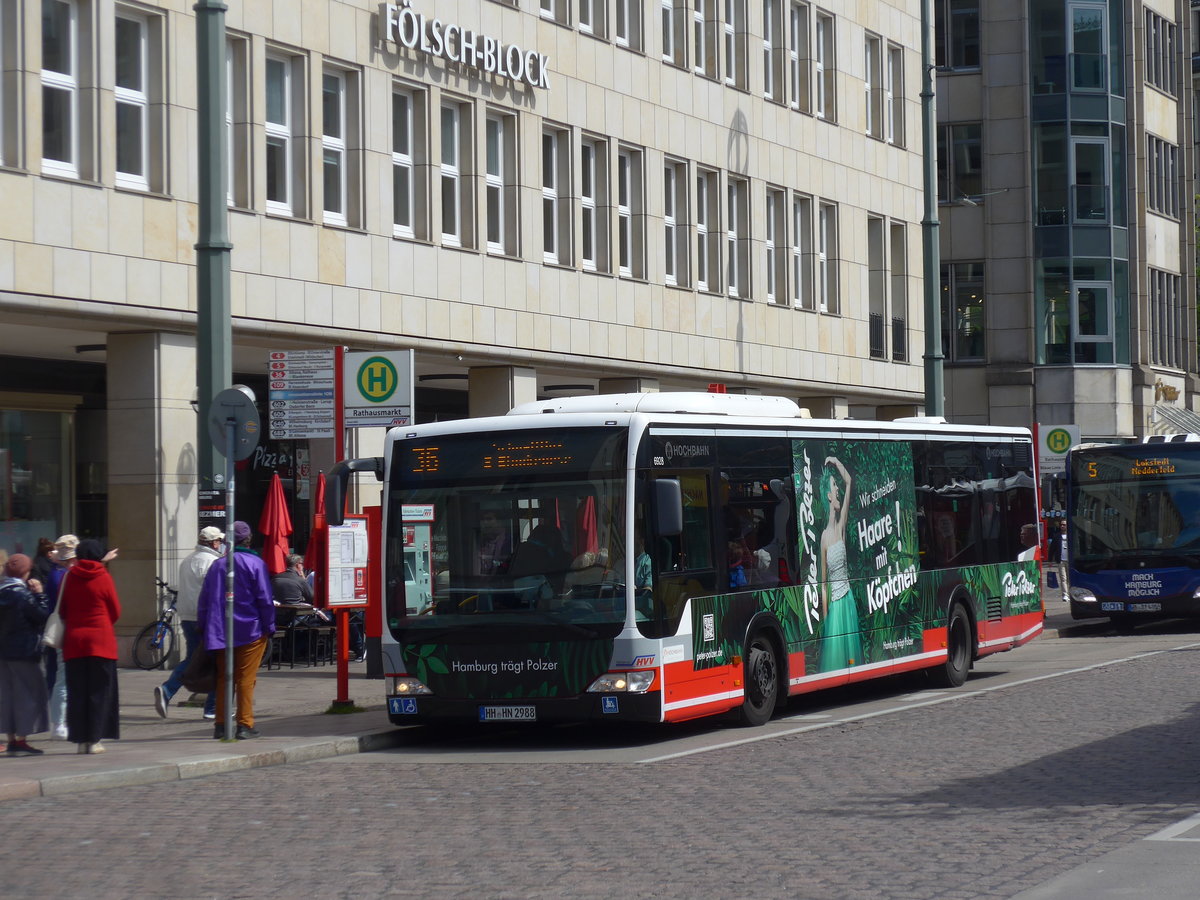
[1067,174]
[538,197]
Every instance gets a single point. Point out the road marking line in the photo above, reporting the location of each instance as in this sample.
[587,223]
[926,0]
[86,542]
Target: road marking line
[1172,832]
[939,698]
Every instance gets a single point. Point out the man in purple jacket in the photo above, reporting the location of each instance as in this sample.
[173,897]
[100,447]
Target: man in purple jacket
[253,625]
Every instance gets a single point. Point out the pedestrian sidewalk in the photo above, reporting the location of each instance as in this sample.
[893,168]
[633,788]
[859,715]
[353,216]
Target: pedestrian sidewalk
[289,710]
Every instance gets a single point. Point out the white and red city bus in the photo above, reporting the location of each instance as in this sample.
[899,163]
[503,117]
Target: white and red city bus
[661,557]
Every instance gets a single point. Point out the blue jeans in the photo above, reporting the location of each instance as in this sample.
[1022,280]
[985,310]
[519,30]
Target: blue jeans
[58,694]
[191,637]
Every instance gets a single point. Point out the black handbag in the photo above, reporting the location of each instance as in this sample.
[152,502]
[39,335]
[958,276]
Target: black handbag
[200,676]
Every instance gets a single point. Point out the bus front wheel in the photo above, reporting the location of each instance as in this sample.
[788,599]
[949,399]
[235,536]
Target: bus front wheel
[953,673]
[761,681]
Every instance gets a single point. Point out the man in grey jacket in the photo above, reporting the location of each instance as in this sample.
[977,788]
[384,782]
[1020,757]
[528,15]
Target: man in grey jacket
[191,576]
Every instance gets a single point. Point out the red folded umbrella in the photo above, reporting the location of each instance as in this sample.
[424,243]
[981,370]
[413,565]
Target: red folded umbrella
[275,525]
[318,539]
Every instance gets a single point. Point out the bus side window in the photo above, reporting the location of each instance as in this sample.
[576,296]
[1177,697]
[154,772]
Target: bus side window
[683,563]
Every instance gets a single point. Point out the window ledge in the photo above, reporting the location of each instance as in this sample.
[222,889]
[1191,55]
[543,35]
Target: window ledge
[336,226]
[141,192]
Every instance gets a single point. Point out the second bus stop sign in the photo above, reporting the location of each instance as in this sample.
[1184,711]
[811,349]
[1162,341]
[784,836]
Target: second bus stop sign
[236,403]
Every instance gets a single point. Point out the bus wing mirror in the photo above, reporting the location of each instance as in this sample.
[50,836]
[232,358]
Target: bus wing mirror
[339,480]
[668,506]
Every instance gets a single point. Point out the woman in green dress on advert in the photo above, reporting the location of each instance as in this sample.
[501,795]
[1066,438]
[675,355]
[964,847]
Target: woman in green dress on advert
[841,642]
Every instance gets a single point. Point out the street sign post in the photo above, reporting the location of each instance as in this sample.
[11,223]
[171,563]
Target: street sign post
[1053,443]
[301,401]
[233,426]
[378,388]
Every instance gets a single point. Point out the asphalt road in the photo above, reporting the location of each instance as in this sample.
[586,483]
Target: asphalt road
[1050,756]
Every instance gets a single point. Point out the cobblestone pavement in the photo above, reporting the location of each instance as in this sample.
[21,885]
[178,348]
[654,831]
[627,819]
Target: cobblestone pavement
[982,797]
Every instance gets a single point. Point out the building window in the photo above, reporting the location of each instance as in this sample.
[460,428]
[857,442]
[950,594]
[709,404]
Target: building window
[773,50]
[555,10]
[963,312]
[131,92]
[799,58]
[672,33]
[893,96]
[675,242]
[956,34]
[735,43]
[627,24]
[9,155]
[1090,170]
[960,162]
[898,267]
[409,187]
[1161,49]
[708,253]
[455,172]
[873,85]
[737,237]
[824,65]
[556,221]
[704,37]
[593,201]
[803,252]
[1088,46]
[827,257]
[876,288]
[774,247]
[592,19]
[284,92]
[333,147]
[1092,321]
[1168,319]
[60,88]
[237,121]
[630,243]
[500,180]
[1162,173]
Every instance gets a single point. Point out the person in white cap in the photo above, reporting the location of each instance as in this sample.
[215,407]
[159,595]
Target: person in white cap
[191,576]
[64,558]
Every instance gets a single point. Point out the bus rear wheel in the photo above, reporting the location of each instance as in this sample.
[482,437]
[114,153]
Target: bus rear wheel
[761,680]
[953,673]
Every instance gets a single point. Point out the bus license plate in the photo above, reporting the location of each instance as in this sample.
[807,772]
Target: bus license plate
[508,714]
[1145,607]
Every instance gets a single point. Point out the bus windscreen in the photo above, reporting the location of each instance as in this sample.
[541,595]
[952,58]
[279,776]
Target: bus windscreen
[1135,505]
[509,529]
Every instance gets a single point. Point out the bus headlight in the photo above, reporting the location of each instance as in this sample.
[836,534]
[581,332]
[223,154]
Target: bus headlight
[406,686]
[623,682]
[1082,595]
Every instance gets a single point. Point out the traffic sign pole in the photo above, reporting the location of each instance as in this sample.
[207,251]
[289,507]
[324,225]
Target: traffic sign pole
[230,440]
[342,701]
[233,426]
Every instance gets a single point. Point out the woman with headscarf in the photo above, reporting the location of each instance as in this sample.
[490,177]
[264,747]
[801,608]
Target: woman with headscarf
[23,614]
[88,608]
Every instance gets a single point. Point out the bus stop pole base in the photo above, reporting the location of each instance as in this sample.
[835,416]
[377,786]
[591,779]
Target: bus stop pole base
[343,659]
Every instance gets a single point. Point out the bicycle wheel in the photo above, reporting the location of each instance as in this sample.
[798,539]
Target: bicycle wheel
[153,645]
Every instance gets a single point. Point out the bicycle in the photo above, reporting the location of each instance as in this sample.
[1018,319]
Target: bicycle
[155,642]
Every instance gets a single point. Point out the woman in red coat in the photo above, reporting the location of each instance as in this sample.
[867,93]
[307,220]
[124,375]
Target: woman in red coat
[88,608]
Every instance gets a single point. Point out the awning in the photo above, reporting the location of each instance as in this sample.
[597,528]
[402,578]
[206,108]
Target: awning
[1182,420]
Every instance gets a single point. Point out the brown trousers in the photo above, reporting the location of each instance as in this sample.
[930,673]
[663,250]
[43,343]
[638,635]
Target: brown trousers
[246,660]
